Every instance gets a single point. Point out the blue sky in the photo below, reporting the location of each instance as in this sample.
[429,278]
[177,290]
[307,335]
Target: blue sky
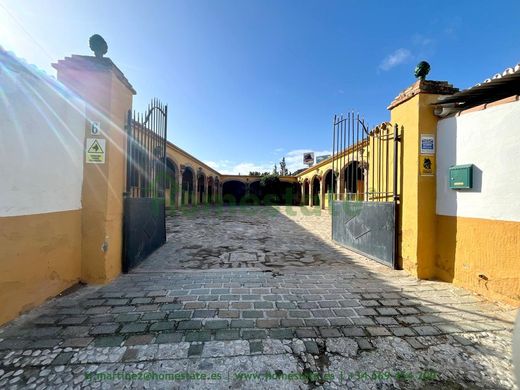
[248,82]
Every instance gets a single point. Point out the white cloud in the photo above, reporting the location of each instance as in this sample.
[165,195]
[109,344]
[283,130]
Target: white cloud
[293,160]
[398,57]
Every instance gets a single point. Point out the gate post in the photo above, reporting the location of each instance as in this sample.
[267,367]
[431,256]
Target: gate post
[413,112]
[109,97]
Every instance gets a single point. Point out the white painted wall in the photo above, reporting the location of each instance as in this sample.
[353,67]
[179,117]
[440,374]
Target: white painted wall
[489,139]
[41,147]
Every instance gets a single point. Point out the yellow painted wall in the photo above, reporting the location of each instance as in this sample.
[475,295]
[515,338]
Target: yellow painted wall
[417,208]
[469,247]
[40,257]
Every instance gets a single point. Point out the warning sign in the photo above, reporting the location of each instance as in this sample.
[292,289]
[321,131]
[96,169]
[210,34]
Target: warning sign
[95,151]
[427,165]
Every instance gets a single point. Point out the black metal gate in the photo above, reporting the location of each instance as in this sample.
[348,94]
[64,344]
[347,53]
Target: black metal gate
[366,197]
[144,228]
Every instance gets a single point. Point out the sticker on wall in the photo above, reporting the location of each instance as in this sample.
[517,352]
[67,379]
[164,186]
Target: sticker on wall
[427,165]
[95,151]
[95,128]
[427,144]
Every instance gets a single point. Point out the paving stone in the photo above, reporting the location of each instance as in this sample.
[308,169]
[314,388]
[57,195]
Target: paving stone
[364,343]
[312,347]
[73,320]
[228,314]
[426,330]
[227,334]
[77,342]
[256,347]
[14,344]
[216,324]
[353,331]
[306,333]
[135,327]
[292,322]
[62,358]
[344,312]
[104,329]
[45,343]
[252,314]
[263,305]
[378,331]
[127,317]
[241,305]
[387,311]
[195,350]
[401,331]
[281,333]
[204,313]
[153,316]
[330,332]
[162,325]
[386,321]
[364,321]
[171,307]
[167,338]
[267,323]
[200,335]
[75,331]
[108,341]
[321,322]
[176,314]
[300,314]
[286,305]
[253,334]
[191,324]
[144,339]
[242,323]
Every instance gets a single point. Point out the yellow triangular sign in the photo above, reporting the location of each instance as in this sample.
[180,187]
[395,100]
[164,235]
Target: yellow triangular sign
[95,148]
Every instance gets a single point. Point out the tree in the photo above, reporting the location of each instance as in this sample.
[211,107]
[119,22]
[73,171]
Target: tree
[275,170]
[283,167]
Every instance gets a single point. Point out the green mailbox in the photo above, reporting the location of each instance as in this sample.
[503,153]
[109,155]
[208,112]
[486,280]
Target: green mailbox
[461,177]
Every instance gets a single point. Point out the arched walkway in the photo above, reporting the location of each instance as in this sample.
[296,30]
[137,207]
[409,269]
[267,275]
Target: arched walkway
[306,193]
[316,191]
[171,182]
[354,178]
[201,189]
[188,188]
[210,190]
[233,191]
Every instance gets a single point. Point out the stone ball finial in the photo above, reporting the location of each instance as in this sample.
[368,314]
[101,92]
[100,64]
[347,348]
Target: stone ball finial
[422,69]
[98,45]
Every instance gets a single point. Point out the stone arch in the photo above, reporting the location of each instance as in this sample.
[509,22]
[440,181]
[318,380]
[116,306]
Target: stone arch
[211,189]
[188,186]
[306,192]
[201,187]
[217,190]
[354,178]
[316,189]
[233,191]
[171,181]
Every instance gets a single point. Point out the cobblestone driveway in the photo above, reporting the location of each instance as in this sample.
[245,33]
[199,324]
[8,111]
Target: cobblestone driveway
[241,292]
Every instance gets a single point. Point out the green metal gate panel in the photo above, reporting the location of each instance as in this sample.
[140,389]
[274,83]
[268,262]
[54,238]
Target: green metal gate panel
[367,228]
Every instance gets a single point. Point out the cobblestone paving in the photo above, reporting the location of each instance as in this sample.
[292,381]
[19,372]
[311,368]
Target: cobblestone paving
[277,298]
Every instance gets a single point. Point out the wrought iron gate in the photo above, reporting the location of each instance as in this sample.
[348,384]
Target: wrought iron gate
[365,206]
[144,227]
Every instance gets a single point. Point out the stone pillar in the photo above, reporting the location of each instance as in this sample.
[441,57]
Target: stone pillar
[413,112]
[311,190]
[178,195]
[302,199]
[109,96]
[206,192]
[322,193]
[195,197]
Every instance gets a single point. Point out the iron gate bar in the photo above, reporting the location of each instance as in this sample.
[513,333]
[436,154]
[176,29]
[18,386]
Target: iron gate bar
[360,155]
[144,219]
